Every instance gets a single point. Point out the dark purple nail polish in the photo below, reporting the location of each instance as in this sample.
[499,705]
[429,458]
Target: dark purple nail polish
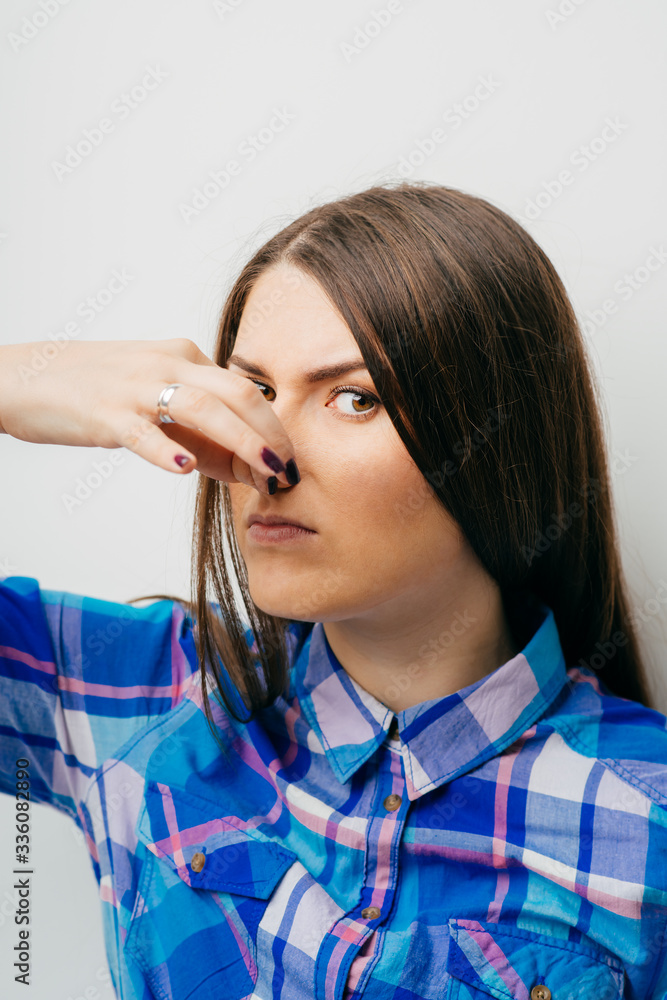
[292,472]
[181,460]
[272,484]
[272,460]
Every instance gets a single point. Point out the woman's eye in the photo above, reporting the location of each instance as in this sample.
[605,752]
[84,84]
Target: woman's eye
[360,404]
[261,386]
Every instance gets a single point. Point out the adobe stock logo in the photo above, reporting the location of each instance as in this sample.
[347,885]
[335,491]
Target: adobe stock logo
[247,150]
[631,282]
[83,489]
[223,7]
[121,108]
[34,23]
[582,157]
[565,9]
[88,309]
[453,118]
[365,34]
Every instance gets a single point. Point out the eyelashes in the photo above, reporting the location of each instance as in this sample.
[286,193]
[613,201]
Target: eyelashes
[340,390]
[354,390]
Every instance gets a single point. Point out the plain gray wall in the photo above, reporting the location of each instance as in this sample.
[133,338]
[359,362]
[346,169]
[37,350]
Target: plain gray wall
[360,94]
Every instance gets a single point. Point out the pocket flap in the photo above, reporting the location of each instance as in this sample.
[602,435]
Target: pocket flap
[506,962]
[175,826]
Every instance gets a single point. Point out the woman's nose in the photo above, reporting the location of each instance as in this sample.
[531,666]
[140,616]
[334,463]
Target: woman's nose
[293,475]
[292,467]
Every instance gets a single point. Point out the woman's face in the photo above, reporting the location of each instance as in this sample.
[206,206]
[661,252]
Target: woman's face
[381,541]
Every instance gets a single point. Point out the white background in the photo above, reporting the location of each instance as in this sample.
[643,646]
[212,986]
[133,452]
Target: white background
[553,79]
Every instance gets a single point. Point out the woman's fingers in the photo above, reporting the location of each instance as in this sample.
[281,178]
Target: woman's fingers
[155,443]
[241,422]
[245,474]
[146,438]
[105,394]
[209,458]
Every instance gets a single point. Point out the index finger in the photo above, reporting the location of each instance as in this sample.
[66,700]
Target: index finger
[244,398]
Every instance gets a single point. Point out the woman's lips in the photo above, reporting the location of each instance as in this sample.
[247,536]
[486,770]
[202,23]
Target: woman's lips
[276,533]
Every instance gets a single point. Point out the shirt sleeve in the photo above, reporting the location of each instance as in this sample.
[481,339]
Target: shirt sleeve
[79,677]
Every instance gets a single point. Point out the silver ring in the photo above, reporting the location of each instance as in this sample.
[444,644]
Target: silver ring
[163,403]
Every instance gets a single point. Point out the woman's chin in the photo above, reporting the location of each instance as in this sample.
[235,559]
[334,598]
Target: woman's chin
[297,606]
[284,606]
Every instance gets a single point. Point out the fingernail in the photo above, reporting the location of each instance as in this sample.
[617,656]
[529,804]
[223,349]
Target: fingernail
[181,460]
[292,472]
[272,484]
[272,460]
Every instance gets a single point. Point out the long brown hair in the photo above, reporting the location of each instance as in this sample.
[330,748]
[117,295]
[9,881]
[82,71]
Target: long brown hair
[474,348]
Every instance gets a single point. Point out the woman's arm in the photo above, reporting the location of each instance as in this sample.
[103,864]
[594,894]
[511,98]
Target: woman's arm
[105,394]
[79,677]
[12,357]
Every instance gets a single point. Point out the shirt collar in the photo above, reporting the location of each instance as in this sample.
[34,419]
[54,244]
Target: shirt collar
[441,738]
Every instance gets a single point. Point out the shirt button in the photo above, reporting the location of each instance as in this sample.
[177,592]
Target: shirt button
[540,993]
[198,861]
[371,913]
[392,802]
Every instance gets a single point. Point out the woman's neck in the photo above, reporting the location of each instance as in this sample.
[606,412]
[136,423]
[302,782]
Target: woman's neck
[425,649]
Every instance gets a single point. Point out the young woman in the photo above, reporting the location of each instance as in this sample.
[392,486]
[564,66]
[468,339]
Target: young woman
[424,762]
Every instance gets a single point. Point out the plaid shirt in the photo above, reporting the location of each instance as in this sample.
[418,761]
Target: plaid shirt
[513,837]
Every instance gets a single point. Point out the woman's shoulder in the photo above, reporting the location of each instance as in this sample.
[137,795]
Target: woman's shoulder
[625,737]
[100,657]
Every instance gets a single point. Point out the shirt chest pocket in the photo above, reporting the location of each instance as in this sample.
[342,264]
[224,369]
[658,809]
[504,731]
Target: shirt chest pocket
[193,926]
[496,960]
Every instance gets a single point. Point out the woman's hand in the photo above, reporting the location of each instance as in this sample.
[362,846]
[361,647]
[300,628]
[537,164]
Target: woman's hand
[105,394]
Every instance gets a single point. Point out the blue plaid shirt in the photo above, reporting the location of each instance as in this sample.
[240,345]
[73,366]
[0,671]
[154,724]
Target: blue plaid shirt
[510,843]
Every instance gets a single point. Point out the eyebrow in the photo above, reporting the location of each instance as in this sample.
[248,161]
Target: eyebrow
[313,375]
